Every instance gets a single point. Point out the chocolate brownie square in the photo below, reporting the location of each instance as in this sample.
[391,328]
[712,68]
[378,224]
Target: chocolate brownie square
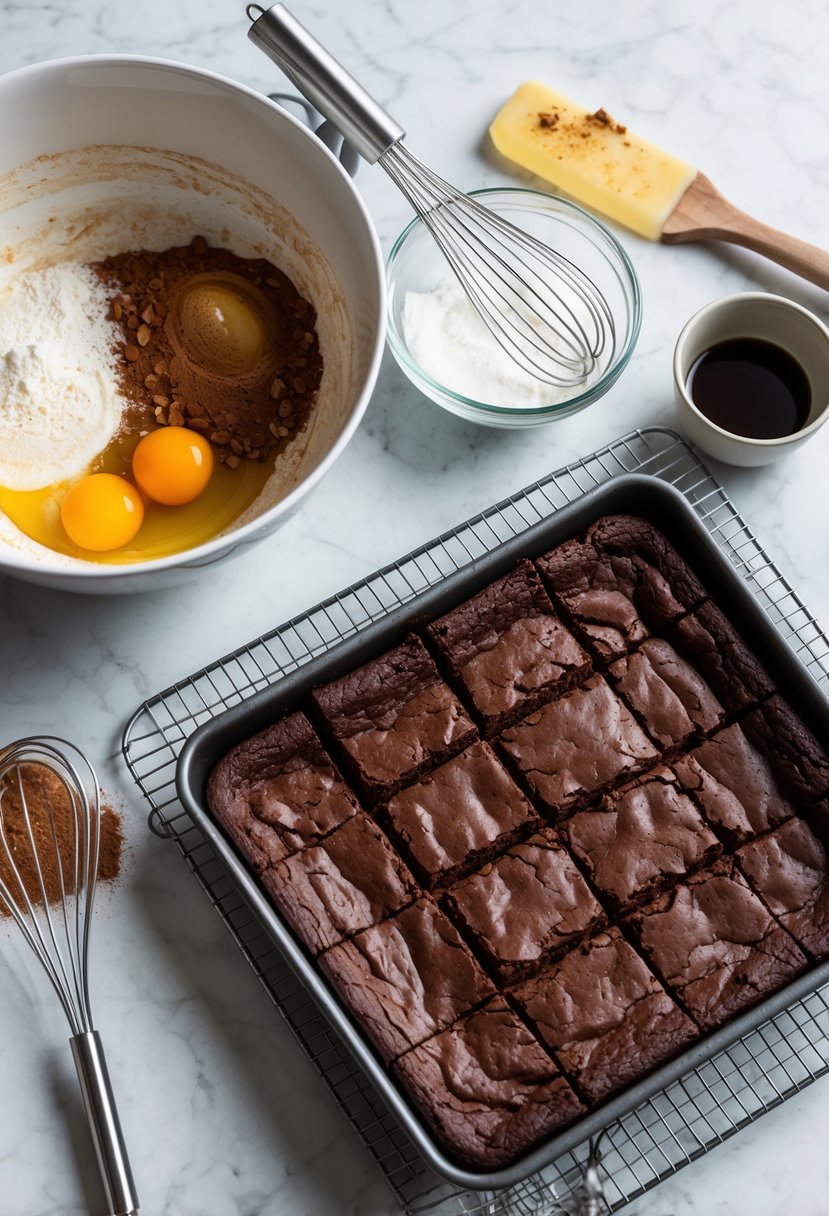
[529,905]
[351,880]
[716,945]
[487,1088]
[789,869]
[668,697]
[407,978]
[395,718]
[278,792]
[641,838]
[733,785]
[458,815]
[576,745]
[604,1015]
[709,641]
[620,583]
[508,649]
[800,764]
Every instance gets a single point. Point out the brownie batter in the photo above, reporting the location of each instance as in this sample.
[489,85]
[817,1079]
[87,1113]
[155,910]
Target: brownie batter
[221,344]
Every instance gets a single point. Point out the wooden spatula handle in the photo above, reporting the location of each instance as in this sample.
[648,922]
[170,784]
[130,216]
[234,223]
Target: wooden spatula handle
[702,214]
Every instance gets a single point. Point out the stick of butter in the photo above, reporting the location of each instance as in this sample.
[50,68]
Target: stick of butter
[591,157]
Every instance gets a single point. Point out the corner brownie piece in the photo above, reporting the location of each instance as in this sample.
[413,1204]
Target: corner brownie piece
[669,698]
[641,838]
[733,785]
[488,1089]
[789,869]
[605,1016]
[278,792]
[395,718]
[716,945]
[349,881]
[708,639]
[458,815]
[529,905]
[508,649]
[407,978]
[620,583]
[576,745]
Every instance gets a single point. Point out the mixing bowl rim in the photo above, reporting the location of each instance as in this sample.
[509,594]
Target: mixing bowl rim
[212,550]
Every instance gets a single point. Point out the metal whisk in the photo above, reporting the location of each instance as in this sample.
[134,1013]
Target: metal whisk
[53,851]
[542,309]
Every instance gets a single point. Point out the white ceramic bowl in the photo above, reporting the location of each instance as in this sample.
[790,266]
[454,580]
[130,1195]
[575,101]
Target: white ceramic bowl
[752,314]
[124,151]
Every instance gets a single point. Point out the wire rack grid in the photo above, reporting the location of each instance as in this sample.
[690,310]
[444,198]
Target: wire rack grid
[678,1125]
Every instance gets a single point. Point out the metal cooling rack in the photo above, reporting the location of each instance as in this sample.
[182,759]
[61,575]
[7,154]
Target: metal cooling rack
[686,1120]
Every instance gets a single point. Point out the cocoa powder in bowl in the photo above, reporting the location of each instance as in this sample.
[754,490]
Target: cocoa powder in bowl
[246,414]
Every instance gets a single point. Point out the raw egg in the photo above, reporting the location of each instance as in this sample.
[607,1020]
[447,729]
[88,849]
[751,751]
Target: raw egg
[222,323]
[101,512]
[172,465]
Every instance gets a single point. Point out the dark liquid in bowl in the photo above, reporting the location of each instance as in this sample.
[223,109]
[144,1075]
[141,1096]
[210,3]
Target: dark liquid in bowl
[751,388]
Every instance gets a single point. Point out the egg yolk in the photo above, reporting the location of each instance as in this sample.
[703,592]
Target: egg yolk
[172,465]
[101,512]
[221,324]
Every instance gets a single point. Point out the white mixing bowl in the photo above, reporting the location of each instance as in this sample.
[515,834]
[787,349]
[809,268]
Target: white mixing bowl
[110,153]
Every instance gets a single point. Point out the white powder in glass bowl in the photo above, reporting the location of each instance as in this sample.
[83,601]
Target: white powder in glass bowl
[59,403]
[449,341]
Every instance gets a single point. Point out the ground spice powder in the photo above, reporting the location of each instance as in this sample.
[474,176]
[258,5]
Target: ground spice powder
[48,803]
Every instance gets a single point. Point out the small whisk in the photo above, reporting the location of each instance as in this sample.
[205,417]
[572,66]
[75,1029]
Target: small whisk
[541,308]
[48,853]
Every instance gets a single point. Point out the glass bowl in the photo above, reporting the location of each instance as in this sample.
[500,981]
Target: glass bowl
[416,264]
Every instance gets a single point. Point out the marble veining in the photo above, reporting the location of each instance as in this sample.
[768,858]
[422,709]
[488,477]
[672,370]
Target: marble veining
[222,1113]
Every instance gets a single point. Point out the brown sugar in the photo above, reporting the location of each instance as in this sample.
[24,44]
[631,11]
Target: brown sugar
[49,806]
[246,412]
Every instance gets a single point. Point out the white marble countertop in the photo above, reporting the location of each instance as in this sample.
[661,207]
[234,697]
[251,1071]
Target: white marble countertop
[221,1111]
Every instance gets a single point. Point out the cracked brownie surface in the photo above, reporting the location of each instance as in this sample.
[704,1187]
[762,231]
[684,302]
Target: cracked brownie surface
[508,649]
[407,978]
[530,904]
[394,717]
[488,1088]
[640,838]
[788,869]
[715,944]
[605,1016]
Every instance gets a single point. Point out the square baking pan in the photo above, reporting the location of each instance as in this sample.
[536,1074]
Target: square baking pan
[628,494]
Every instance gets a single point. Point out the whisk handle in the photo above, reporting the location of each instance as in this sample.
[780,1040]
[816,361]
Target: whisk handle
[104,1124]
[325,82]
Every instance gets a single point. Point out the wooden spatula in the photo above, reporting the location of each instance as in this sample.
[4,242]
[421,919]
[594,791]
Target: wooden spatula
[601,163]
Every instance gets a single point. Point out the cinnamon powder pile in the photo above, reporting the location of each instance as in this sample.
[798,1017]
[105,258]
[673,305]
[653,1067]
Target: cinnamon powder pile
[48,803]
[246,416]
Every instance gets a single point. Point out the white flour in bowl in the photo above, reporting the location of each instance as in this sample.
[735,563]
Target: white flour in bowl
[450,342]
[59,402]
